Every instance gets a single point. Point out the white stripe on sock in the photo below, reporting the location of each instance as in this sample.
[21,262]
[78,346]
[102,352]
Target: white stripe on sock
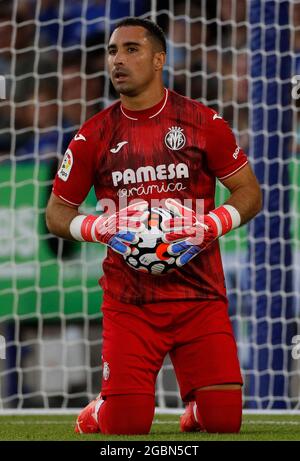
[97,408]
[195,412]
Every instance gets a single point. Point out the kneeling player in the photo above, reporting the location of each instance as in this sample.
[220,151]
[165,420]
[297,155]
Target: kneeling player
[155,144]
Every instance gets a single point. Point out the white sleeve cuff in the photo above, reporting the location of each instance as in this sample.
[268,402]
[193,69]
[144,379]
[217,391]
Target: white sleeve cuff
[235,215]
[75,227]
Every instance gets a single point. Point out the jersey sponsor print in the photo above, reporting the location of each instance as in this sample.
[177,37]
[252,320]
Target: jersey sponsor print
[175,149]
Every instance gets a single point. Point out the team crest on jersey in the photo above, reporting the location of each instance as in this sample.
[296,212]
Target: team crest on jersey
[175,139]
[66,165]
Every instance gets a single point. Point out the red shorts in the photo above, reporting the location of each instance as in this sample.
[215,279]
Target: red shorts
[197,335]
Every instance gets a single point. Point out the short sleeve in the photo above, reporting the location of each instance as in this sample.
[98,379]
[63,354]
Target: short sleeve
[75,176]
[224,156]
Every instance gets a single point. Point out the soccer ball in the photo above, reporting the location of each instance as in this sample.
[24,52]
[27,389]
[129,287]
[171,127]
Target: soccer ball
[149,254]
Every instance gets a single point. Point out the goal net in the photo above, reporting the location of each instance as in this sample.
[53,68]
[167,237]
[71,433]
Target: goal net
[241,58]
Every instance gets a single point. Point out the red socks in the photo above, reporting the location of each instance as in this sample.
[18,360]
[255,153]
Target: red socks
[126,414]
[220,410]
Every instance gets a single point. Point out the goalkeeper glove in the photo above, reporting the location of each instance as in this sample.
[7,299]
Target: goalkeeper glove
[117,231]
[191,235]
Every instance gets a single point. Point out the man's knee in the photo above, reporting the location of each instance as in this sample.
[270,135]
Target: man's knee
[220,409]
[126,414]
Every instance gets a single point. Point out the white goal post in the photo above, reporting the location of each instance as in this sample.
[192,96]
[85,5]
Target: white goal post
[240,57]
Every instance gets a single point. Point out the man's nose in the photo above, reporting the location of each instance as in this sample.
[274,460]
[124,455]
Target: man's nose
[119,57]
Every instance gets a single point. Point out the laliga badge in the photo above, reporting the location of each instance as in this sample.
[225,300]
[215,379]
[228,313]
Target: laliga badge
[66,166]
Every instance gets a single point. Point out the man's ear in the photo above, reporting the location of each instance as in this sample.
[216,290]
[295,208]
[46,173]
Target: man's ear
[159,60]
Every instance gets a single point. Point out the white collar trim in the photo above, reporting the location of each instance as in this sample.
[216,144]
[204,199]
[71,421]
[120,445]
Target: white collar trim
[151,116]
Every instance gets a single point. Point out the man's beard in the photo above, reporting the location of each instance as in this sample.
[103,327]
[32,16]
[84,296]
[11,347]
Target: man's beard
[125,89]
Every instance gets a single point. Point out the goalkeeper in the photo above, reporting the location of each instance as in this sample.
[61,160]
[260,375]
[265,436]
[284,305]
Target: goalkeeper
[154,144]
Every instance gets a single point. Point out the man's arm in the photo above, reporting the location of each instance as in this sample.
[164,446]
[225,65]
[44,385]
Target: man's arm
[117,231]
[59,215]
[245,193]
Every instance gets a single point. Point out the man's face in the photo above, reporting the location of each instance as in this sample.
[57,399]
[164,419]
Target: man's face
[132,60]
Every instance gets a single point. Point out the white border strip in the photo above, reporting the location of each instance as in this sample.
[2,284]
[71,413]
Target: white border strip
[2,87]
[154,115]
[233,172]
[166,98]
[158,411]
[68,201]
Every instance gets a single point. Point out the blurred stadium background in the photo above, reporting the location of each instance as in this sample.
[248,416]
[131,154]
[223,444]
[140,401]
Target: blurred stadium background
[237,56]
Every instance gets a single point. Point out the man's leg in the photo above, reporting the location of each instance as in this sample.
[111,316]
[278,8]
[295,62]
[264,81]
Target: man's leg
[117,414]
[215,409]
[132,355]
[207,369]
[126,414]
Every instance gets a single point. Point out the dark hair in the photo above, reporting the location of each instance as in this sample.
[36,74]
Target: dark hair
[152,28]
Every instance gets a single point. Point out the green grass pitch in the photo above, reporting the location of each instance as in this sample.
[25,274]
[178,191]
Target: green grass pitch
[164,428]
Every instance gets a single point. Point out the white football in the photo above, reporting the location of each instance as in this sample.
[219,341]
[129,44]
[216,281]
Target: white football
[149,254]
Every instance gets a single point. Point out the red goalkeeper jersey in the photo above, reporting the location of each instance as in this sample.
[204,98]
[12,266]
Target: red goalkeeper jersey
[176,149]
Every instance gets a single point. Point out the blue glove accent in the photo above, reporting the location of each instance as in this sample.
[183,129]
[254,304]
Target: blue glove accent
[184,258]
[117,245]
[127,236]
[116,241]
[178,247]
